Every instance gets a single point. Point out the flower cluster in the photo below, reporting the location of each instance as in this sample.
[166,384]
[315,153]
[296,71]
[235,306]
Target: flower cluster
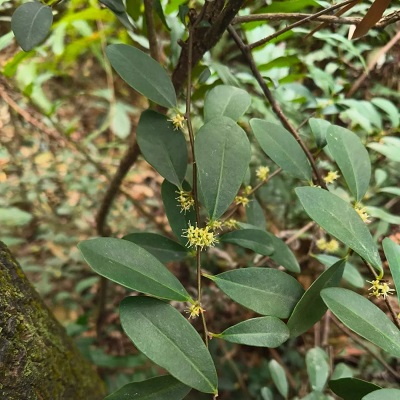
[214,224]
[186,200]
[247,190]
[379,289]
[195,310]
[242,200]
[262,173]
[331,177]
[231,223]
[362,212]
[199,237]
[177,120]
[331,247]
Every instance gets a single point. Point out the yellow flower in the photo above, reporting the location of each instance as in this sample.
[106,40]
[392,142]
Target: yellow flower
[199,237]
[231,223]
[214,224]
[331,177]
[247,190]
[195,310]
[262,173]
[177,120]
[321,243]
[379,289]
[362,212]
[186,200]
[242,200]
[332,246]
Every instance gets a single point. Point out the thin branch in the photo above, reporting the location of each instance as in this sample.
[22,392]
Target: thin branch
[151,31]
[246,51]
[298,23]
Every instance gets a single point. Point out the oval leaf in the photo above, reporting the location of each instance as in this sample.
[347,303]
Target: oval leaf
[226,101]
[168,339]
[386,394]
[177,219]
[279,145]
[352,158]
[159,388]
[253,239]
[163,147]
[352,388]
[339,219]
[317,368]
[222,153]
[263,290]
[392,253]
[278,375]
[319,128]
[262,332]
[350,273]
[132,266]
[142,73]
[31,23]
[311,308]
[364,318]
[163,248]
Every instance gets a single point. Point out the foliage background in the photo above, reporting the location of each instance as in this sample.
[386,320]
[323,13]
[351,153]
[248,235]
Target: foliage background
[66,121]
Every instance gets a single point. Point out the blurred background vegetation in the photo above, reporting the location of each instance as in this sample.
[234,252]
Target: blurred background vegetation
[66,120]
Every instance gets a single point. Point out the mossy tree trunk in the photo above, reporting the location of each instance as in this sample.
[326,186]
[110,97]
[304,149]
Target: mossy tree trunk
[38,361]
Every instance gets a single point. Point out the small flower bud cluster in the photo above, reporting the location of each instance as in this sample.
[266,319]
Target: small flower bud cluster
[362,212]
[379,289]
[242,200]
[177,120]
[262,173]
[186,200]
[199,237]
[195,310]
[331,247]
[331,177]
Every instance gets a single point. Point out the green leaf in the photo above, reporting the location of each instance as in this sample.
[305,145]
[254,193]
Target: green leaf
[340,220]
[160,12]
[278,144]
[163,248]
[142,73]
[342,371]
[350,273]
[352,388]
[391,190]
[132,266]
[392,253]
[118,8]
[376,212]
[279,377]
[226,101]
[383,394]
[319,127]
[317,368]
[282,254]
[160,388]
[168,339]
[263,290]
[389,146]
[31,23]
[310,307]
[177,219]
[222,153]
[255,214]
[253,239]
[262,332]
[266,393]
[390,109]
[163,147]
[13,216]
[352,158]
[364,318]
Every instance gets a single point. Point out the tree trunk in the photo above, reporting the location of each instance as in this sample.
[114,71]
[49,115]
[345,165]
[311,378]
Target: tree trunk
[38,361]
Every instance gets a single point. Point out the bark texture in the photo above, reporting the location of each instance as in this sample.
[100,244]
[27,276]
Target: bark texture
[38,361]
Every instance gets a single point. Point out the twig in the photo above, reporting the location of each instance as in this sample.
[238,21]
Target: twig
[360,342]
[372,64]
[246,51]
[296,24]
[151,31]
[304,229]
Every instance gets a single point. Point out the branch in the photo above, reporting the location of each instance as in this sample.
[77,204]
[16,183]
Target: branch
[246,51]
[204,39]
